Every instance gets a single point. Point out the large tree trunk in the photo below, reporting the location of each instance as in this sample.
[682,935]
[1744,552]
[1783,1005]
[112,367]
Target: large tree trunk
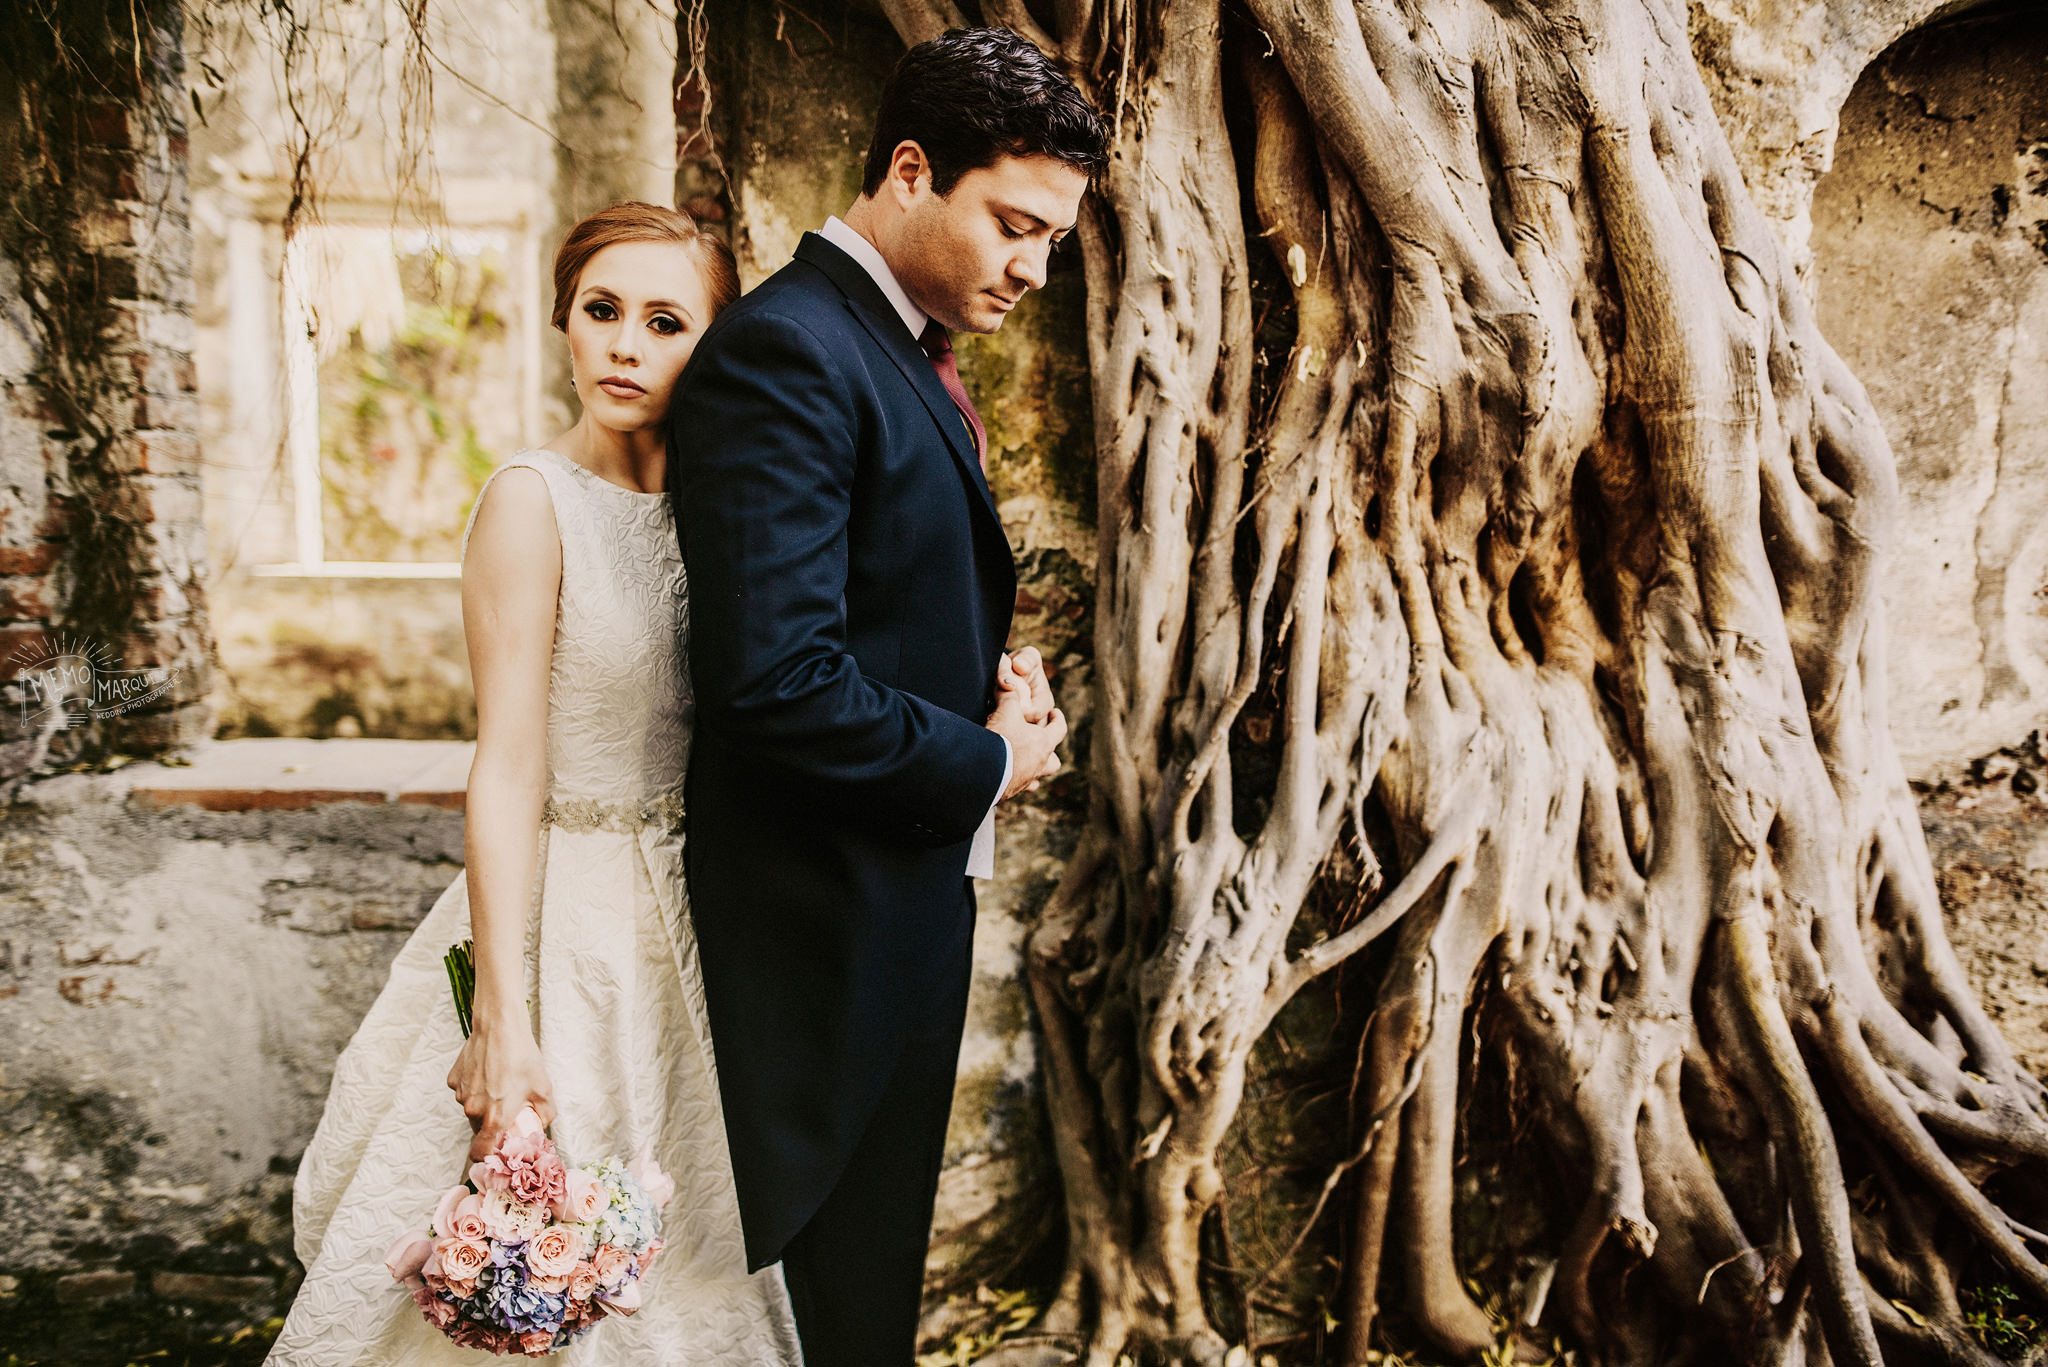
[1558,534]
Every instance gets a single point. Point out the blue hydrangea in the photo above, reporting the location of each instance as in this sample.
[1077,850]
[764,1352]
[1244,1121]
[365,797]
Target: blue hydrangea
[510,1303]
[565,1337]
[630,1220]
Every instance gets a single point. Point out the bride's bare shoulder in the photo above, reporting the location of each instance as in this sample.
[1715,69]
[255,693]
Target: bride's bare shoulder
[512,532]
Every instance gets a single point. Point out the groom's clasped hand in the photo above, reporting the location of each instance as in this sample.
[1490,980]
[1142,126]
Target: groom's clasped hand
[1028,719]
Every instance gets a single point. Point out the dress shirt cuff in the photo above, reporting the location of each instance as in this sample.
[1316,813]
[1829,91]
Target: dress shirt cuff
[981,855]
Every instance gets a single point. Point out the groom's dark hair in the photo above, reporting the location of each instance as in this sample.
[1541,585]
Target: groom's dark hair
[978,94]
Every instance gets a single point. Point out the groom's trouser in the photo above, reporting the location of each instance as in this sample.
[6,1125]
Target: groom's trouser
[856,1270]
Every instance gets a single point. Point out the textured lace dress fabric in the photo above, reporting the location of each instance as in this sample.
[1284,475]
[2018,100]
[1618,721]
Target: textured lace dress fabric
[612,976]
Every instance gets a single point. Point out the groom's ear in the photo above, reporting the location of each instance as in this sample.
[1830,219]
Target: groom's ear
[909,168]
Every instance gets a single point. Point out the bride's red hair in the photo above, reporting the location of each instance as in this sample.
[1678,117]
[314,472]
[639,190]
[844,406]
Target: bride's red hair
[635,221]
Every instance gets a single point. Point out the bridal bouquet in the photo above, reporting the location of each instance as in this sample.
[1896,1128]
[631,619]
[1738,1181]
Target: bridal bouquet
[529,1253]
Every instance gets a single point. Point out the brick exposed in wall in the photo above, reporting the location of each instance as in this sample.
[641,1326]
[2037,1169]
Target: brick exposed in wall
[138,244]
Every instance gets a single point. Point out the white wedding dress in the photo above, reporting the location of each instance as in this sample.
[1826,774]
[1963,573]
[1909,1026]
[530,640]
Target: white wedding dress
[618,1004]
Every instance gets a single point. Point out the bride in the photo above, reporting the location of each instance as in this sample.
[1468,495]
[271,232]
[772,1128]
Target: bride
[588,1003]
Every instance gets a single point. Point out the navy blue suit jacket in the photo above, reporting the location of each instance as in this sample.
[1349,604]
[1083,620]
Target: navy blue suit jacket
[850,592]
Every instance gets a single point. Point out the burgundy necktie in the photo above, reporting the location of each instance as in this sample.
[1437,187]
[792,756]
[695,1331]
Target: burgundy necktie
[939,347]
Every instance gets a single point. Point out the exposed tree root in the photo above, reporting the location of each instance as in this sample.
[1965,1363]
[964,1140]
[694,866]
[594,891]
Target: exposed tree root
[1556,540]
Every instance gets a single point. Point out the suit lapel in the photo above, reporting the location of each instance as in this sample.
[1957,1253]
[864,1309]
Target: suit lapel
[868,304]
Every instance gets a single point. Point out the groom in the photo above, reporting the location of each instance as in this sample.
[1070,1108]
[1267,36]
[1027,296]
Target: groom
[850,591]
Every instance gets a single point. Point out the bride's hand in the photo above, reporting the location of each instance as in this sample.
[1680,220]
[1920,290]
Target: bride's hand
[499,1071]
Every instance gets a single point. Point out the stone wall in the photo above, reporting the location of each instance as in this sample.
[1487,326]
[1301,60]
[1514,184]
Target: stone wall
[101,448]
[1930,239]
[175,983]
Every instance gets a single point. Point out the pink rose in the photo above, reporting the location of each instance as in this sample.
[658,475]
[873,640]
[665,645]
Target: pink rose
[554,1251]
[626,1299]
[582,1281]
[536,1343]
[461,1260]
[660,1187]
[439,1312]
[470,1334]
[610,1263]
[468,1220]
[444,1213]
[407,1256]
[484,1180]
[650,1253]
[583,1199]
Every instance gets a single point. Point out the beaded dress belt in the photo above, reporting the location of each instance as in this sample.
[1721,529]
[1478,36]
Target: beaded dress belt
[664,809]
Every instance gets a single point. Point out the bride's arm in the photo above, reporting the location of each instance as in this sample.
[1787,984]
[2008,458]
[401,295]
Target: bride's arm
[511,575]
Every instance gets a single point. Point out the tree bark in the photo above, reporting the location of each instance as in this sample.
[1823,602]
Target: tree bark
[1556,539]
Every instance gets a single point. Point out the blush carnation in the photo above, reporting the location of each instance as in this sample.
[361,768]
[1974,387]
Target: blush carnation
[528,1167]
[509,1219]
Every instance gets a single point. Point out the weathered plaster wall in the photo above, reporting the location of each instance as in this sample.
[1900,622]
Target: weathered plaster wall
[174,987]
[1777,72]
[1931,247]
[345,657]
[615,125]
[793,99]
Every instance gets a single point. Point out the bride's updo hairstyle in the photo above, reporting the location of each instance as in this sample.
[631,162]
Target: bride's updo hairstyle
[636,221]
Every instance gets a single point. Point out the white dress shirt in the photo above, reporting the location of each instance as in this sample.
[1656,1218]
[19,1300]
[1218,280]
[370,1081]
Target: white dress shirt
[981,856]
